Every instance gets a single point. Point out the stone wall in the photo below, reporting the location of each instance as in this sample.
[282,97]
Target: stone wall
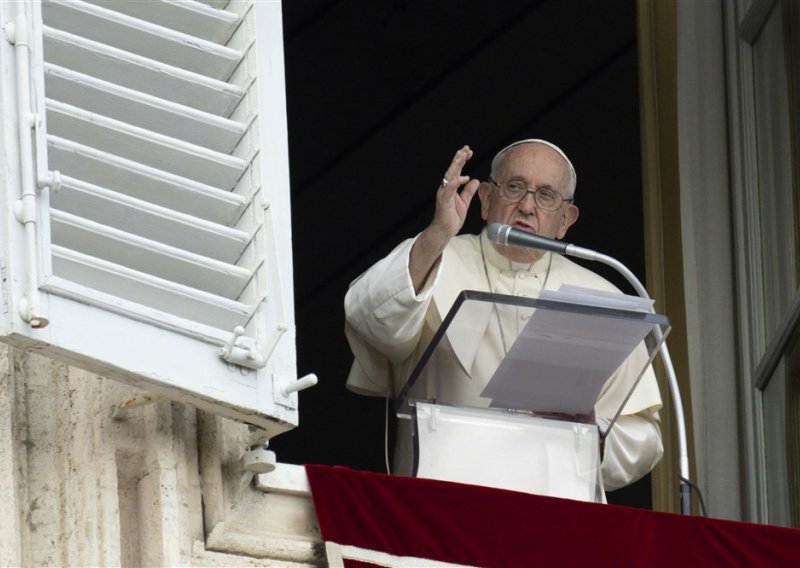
[83,483]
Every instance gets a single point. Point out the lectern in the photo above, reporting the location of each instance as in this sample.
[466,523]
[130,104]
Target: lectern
[504,394]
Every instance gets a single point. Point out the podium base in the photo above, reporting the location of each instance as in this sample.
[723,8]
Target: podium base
[496,448]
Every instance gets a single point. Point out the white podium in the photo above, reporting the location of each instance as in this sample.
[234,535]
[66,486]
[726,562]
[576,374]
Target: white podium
[527,421]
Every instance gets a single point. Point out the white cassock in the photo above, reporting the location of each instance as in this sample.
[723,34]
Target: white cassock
[388,327]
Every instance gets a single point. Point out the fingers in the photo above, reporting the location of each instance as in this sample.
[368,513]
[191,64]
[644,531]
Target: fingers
[453,179]
[452,205]
[469,191]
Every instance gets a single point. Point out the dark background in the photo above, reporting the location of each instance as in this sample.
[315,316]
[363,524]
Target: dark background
[380,95]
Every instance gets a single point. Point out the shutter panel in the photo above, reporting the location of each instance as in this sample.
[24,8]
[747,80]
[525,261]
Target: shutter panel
[146,208]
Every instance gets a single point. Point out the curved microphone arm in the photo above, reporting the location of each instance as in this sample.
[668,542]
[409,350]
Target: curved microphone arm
[506,235]
[683,452]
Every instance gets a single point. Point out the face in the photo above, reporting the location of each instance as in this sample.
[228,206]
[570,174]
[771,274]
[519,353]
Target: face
[536,165]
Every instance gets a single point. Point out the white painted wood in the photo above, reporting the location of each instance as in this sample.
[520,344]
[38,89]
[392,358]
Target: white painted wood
[134,291]
[149,148]
[148,256]
[193,18]
[151,221]
[144,182]
[149,298]
[151,357]
[137,72]
[143,110]
[141,37]
[218,4]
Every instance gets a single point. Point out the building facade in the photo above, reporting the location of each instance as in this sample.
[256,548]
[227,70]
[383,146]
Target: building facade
[148,461]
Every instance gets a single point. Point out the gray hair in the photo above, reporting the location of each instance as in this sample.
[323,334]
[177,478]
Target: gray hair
[573,177]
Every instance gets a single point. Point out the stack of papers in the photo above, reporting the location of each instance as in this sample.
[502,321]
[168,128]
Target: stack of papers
[561,360]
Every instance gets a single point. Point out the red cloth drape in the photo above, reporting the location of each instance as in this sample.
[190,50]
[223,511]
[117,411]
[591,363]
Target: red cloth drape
[481,526]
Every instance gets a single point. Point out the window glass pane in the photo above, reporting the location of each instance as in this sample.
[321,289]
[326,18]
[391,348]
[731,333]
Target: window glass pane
[778,221]
[776,196]
[793,425]
[775,445]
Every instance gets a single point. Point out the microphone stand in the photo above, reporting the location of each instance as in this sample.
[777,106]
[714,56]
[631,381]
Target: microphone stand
[683,452]
[502,234]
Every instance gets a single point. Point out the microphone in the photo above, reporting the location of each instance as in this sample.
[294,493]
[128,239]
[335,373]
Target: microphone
[503,234]
[508,235]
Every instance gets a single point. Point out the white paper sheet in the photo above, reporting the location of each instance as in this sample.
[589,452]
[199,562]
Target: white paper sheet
[560,361]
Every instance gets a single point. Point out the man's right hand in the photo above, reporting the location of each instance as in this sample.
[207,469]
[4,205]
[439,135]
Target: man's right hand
[451,212]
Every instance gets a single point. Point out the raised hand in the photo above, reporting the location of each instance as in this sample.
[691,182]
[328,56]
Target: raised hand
[448,218]
[452,205]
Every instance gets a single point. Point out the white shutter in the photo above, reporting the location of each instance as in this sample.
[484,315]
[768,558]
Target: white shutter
[146,227]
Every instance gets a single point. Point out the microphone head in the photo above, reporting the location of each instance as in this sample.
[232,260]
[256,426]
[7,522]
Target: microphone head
[498,233]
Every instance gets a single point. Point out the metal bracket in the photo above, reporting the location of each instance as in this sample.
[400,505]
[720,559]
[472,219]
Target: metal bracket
[258,458]
[25,209]
[283,387]
[10,30]
[51,179]
[246,355]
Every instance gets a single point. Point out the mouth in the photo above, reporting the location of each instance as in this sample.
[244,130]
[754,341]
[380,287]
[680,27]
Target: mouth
[522,226]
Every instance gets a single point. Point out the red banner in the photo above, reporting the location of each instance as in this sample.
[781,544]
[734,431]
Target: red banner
[400,521]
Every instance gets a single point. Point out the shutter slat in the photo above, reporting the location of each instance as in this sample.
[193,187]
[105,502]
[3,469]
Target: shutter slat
[218,4]
[140,73]
[148,256]
[143,110]
[143,38]
[96,281]
[143,146]
[143,182]
[193,18]
[149,221]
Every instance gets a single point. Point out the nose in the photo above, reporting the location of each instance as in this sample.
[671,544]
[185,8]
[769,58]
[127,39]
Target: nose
[528,204]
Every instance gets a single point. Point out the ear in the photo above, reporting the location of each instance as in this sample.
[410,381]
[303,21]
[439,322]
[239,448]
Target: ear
[485,195]
[568,219]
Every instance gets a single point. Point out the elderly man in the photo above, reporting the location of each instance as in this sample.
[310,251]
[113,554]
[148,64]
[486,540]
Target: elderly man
[394,308]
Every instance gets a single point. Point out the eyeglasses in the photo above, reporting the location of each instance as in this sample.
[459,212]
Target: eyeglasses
[545,197]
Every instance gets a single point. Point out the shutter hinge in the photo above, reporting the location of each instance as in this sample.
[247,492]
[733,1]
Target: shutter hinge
[245,353]
[26,206]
